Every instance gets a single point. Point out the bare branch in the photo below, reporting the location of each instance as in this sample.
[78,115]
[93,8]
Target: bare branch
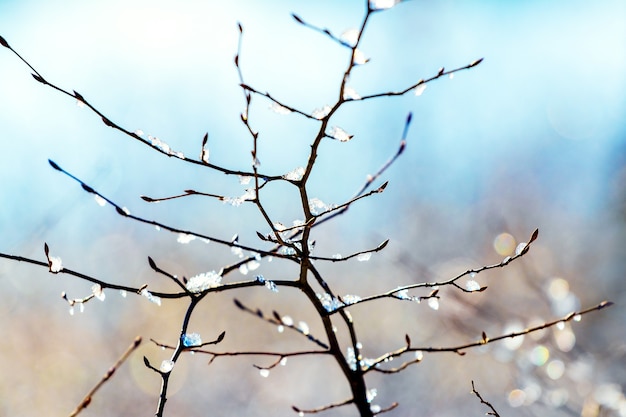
[87,399]
[493,411]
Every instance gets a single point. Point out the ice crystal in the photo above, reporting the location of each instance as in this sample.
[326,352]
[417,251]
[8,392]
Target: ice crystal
[204,281]
[264,373]
[433,303]
[285,250]
[270,285]
[321,113]
[139,132]
[375,408]
[350,299]
[185,238]
[383,4]
[152,298]
[419,355]
[350,36]
[159,144]
[350,93]
[403,295]
[97,291]
[100,201]
[243,269]
[56,264]
[71,310]
[317,206]
[283,361]
[166,366]
[359,57]
[244,179]
[472,285]
[277,108]
[351,358]
[303,327]
[287,320]
[520,248]
[337,256]
[419,90]
[364,257]
[191,339]
[339,134]
[295,175]
[328,302]
[371,394]
[123,293]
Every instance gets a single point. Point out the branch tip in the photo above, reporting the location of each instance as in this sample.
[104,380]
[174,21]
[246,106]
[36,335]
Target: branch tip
[4,43]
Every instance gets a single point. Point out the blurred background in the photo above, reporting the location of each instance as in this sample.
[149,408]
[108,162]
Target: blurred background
[533,137]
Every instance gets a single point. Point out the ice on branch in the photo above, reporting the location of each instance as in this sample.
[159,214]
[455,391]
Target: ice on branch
[321,113]
[152,298]
[364,257]
[158,143]
[249,195]
[419,90]
[350,299]
[185,238]
[277,108]
[317,206]
[360,58]
[339,134]
[371,394]
[249,266]
[139,132]
[433,303]
[350,93]
[166,366]
[519,249]
[264,373]
[98,292]
[270,285]
[191,339]
[383,4]
[329,303]
[295,175]
[204,281]
[350,36]
[100,201]
[472,285]
[244,179]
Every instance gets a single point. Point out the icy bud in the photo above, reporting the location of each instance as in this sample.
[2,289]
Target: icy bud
[204,281]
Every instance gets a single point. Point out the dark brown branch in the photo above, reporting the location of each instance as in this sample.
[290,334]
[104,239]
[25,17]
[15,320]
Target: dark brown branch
[323,408]
[493,411]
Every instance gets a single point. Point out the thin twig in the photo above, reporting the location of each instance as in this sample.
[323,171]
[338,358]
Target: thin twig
[87,399]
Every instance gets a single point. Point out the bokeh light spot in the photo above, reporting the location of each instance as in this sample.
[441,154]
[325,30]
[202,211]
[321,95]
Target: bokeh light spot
[504,244]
